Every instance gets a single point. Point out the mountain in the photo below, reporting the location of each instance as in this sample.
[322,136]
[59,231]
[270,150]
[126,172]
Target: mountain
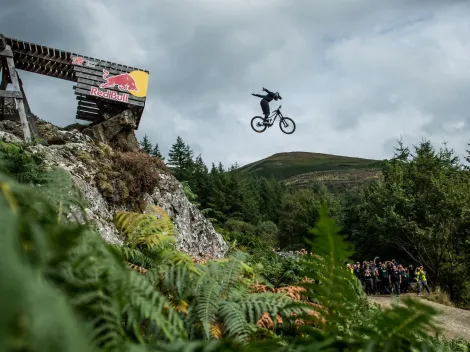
[303,168]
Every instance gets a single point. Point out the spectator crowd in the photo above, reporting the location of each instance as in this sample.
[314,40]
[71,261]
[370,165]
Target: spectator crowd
[389,277]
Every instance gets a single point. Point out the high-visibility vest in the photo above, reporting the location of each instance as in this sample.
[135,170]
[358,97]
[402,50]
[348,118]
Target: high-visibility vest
[421,276]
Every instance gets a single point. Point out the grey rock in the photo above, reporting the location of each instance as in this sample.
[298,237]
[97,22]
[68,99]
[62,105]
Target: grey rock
[196,235]
[117,132]
[9,137]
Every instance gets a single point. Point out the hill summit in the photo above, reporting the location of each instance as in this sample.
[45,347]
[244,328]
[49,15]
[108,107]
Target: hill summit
[302,168]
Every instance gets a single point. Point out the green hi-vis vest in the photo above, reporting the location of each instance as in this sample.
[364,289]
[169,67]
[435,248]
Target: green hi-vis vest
[421,276]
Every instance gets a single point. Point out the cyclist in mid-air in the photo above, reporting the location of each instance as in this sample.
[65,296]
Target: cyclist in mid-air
[265,101]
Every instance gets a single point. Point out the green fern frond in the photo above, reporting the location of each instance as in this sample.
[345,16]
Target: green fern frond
[177,258]
[149,231]
[145,303]
[134,256]
[235,321]
[332,286]
[207,305]
[231,271]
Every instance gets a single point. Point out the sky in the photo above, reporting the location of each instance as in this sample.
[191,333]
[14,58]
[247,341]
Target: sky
[355,76]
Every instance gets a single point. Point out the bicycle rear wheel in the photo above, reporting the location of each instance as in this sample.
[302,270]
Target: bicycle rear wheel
[285,123]
[257,124]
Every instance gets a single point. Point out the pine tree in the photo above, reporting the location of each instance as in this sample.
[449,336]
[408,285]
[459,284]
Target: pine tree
[180,159]
[146,145]
[199,181]
[156,152]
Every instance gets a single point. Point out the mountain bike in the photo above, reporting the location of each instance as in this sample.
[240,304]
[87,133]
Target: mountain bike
[284,122]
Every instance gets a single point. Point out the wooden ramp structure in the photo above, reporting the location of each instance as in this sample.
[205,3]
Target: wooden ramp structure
[103,90]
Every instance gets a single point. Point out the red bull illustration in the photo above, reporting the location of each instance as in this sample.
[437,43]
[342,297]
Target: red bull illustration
[124,82]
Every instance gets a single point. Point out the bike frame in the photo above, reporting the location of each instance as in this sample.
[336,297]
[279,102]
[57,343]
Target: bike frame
[276,113]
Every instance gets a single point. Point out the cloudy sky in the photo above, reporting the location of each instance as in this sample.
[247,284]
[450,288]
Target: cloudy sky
[355,75]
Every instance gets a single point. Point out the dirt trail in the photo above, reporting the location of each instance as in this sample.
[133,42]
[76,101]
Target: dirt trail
[454,322]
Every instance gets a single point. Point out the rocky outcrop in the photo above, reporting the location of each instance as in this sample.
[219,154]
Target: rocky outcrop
[76,153]
[196,235]
[117,132]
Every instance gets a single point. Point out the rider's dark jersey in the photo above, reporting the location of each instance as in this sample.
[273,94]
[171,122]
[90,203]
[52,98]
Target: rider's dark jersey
[268,97]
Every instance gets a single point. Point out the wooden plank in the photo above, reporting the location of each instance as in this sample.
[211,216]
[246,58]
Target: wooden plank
[6,52]
[91,117]
[10,94]
[88,104]
[85,91]
[96,72]
[32,124]
[19,102]
[3,43]
[5,77]
[100,64]
[88,109]
[82,81]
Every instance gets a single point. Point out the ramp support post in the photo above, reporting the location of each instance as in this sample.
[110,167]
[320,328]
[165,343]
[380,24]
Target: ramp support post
[10,75]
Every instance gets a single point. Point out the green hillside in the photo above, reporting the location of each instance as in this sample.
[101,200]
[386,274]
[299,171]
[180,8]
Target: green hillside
[287,165]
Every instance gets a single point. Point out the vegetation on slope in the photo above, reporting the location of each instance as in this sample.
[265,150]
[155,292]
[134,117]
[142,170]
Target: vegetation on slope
[421,199]
[64,289]
[284,165]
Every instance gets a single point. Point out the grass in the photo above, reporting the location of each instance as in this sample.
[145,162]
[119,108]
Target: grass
[439,296]
[283,166]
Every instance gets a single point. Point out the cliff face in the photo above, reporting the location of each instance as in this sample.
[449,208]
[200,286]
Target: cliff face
[93,168]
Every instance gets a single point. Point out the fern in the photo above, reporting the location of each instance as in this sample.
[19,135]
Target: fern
[148,231]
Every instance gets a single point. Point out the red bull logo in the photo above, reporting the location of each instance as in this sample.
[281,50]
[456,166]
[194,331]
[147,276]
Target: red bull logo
[124,82]
[109,94]
[134,83]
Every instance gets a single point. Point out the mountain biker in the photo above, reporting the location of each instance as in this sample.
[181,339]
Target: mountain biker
[265,101]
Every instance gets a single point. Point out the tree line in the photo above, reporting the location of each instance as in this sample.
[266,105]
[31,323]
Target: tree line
[418,212]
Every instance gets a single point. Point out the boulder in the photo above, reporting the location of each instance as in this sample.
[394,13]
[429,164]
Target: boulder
[117,132]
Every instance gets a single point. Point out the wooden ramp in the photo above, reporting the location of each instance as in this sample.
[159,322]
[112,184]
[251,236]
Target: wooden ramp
[103,88]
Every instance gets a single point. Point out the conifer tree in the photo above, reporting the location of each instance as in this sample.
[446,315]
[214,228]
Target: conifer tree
[180,159]
[156,152]
[146,146]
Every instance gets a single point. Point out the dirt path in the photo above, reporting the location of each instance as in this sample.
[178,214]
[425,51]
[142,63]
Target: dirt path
[454,322]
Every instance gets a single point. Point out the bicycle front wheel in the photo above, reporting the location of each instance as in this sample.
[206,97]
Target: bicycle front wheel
[257,124]
[287,125]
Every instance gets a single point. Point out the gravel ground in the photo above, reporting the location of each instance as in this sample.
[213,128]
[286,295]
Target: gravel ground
[454,322]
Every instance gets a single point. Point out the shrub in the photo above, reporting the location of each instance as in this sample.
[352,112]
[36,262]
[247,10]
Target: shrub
[18,162]
[126,176]
[439,296]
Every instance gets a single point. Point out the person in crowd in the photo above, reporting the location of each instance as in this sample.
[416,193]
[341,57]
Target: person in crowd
[358,272]
[377,279]
[384,279]
[422,280]
[395,281]
[368,281]
[404,279]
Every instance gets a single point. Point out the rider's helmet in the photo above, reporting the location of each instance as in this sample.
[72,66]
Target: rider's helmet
[276,96]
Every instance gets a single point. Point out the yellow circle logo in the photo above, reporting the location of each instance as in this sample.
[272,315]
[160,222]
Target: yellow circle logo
[141,79]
